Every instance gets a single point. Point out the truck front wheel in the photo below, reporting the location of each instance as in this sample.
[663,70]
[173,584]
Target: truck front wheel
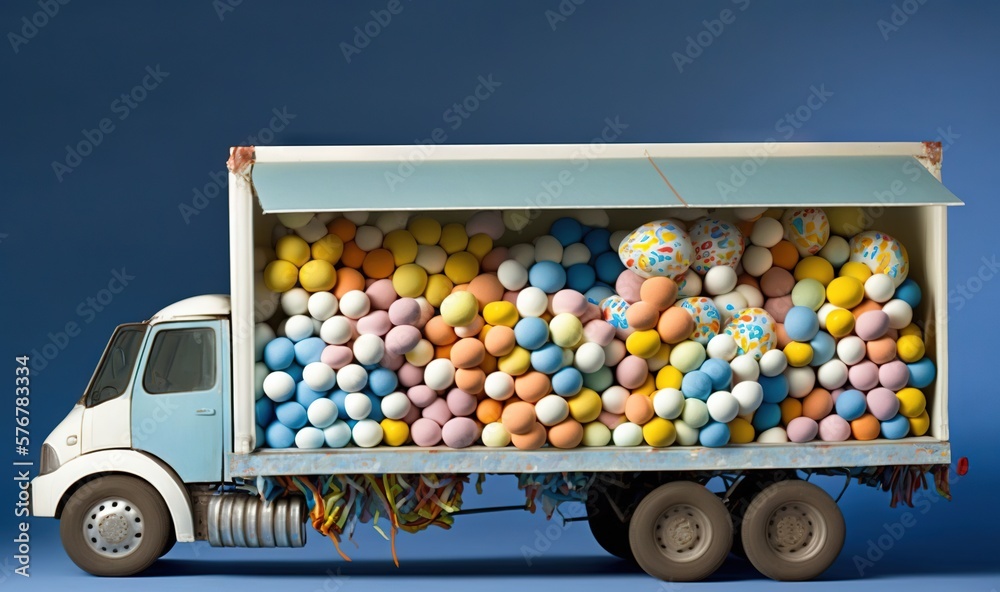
[115,526]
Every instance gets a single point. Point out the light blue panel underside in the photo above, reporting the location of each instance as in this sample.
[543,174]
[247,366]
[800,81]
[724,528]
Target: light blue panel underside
[600,183]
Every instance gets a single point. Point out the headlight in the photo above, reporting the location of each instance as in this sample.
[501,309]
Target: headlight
[50,461]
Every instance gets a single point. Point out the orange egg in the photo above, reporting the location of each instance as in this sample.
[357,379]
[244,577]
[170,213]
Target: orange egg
[566,434]
[488,411]
[532,386]
[749,280]
[642,315]
[343,228]
[500,340]
[348,279]
[638,409]
[438,332]
[489,364]
[519,417]
[467,353]
[442,351]
[781,336]
[533,439]
[486,288]
[784,255]
[378,264]
[659,291]
[881,350]
[817,404]
[865,306]
[745,226]
[790,409]
[865,427]
[675,325]
[470,380]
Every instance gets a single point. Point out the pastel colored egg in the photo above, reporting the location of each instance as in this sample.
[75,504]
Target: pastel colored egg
[278,435]
[488,222]
[919,424]
[776,282]
[767,232]
[628,285]
[895,428]
[744,367]
[566,434]
[530,333]
[824,347]
[668,403]
[840,322]
[501,313]
[548,276]
[519,418]
[660,292]
[512,275]
[424,230]
[882,403]
[881,350]
[566,330]
[784,255]
[585,406]
[722,346]
[921,373]
[851,404]
[500,341]
[425,432]
[910,348]
[872,325]
[687,356]
[590,358]
[644,344]
[394,405]
[438,411]
[639,409]
[596,434]
[864,375]
[881,253]
[834,428]
[600,380]
[847,221]
[454,238]
[719,372]
[808,293]
[720,280]
[467,353]
[567,382]
[767,416]
[642,315]
[686,435]
[756,260]
[533,302]
[773,362]
[280,275]
[866,427]
[688,284]
[394,432]
[909,292]
[461,267]
[659,432]
[832,374]
[459,309]
[495,435]
[801,323]
[837,250]
[775,388]
[660,248]
[631,372]
[547,359]
[911,402]
[695,413]
[740,431]
[627,434]
[807,229]
[279,353]
[613,399]
[714,435]
[551,410]
[814,268]
[851,350]
[730,303]
[798,354]
[817,404]
[486,287]
[706,317]
[716,243]
[893,375]
[569,301]
[516,363]
[459,432]
[754,331]
[845,292]
[802,429]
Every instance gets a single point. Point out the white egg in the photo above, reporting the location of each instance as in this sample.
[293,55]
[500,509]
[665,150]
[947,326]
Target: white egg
[551,409]
[613,399]
[367,433]
[358,217]
[836,250]
[689,285]
[262,335]
[686,435]
[589,358]
[279,386]
[322,305]
[357,405]
[800,381]
[592,217]
[574,254]
[295,220]
[722,347]
[773,436]
[432,258]
[767,232]
[338,434]
[439,374]
[757,260]
[832,375]
[749,395]
[298,327]
[668,403]
[309,437]
[548,248]
[523,253]
[900,313]
[322,413]
[369,349]
[753,295]
[395,405]
[773,362]
[389,221]
[336,330]
[851,350]
[355,304]
[312,231]
[352,378]
[512,275]
[319,377]
[879,287]
[532,302]
[744,368]
[720,280]
[748,213]
[368,238]
[627,434]
[499,386]
[723,406]
[495,435]
[295,301]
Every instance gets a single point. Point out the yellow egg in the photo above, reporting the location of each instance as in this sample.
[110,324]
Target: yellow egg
[438,288]
[461,267]
[799,354]
[919,424]
[501,313]
[840,322]
[644,344]
[662,356]
[856,270]
[846,221]
[402,245]
[280,275]
[596,434]
[647,388]
[480,245]
[426,231]
[410,280]
[669,377]
[740,431]
[816,268]
[911,402]
[585,406]
[659,432]
[329,248]
[395,432]
[459,309]
[911,329]
[293,249]
[910,348]
[453,238]
[845,292]
[318,276]
[516,362]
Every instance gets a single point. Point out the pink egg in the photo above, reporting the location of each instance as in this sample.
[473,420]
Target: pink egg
[410,375]
[778,307]
[405,311]
[628,284]
[381,294]
[614,352]
[893,375]
[461,403]
[336,356]
[491,262]
[511,296]
[599,331]
[412,415]
[460,432]
[392,361]
[488,222]
[802,429]
[427,312]
[592,312]
[425,432]
[401,339]
[632,372]
[882,403]
[863,376]
[776,282]
[834,428]
[612,420]
[421,395]
[836,393]
[438,411]
[871,325]
[375,323]
[569,301]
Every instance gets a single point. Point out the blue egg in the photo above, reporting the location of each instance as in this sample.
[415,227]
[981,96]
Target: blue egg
[339,398]
[382,381]
[308,350]
[567,382]
[531,333]
[714,434]
[597,293]
[922,373]
[598,240]
[261,438]
[609,266]
[278,435]
[696,385]
[896,428]
[824,346]
[851,404]
[351,423]
[292,414]
[909,292]
[337,435]
[279,353]
[547,359]
[801,323]
[580,277]
[775,388]
[305,396]
[295,371]
[376,412]
[567,231]
[767,416]
[264,410]
[719,371]
[548,276]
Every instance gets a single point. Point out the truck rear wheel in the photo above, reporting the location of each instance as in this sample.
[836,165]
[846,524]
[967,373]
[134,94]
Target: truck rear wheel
[680,532]
[115,526]
[740,498]
[793,530]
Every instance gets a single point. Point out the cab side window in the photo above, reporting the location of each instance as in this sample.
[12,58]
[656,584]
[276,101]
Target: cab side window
[181,361]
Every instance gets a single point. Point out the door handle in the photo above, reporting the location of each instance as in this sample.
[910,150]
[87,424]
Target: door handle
[204,412]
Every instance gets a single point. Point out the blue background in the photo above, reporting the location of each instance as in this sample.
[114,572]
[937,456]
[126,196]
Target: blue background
[933,75]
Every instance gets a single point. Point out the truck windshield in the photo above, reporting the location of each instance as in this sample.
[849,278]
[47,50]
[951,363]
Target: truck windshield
[115,370]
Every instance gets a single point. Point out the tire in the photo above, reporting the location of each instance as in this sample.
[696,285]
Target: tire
[740,500]
[169,543]
[680,532]
[793,530]
[129,522]
[609,532]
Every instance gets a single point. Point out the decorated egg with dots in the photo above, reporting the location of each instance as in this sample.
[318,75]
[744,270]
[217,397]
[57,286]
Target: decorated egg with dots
[806,228]
[660,248]
[707,320]
[754,331]
[716,243]
[881,253]
[613,309]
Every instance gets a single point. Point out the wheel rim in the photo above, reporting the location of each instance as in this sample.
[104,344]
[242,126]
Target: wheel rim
[113,527]
[683,533]
[796,531]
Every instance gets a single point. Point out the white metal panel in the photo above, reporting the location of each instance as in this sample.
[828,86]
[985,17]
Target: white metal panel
[108,425]
[242,324]
[194,308]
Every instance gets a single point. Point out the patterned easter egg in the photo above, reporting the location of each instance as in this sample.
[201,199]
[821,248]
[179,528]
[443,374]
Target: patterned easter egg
[806,228]
[882,254]
[613,309]
[716,243]
[660,248]
[707,321]
[754,331]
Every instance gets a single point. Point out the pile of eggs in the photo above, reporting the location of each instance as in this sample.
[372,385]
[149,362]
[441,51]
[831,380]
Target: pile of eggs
[773,326]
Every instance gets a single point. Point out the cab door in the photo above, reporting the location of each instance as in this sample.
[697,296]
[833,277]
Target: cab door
[177,398]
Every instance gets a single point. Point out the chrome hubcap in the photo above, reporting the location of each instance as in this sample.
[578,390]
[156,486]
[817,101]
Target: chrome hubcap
[113,527]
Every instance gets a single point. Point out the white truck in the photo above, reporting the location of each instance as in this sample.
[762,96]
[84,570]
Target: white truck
[134,468]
